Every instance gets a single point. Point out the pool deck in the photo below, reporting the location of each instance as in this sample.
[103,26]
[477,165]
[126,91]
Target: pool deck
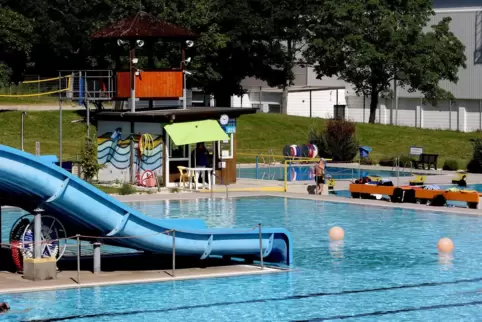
[14,283]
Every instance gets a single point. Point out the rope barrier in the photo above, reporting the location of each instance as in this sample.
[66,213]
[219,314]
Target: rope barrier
[18,244]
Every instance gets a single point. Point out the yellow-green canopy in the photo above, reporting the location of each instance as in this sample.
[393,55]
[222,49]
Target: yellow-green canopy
[194,132]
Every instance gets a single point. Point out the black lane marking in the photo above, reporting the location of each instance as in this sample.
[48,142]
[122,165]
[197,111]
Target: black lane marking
[378,313]
[292,297]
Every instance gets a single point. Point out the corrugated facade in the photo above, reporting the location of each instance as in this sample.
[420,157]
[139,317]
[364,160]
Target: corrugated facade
[467,26]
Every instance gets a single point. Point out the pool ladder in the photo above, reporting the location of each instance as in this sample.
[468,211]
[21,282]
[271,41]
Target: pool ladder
[396,166]
[271,176]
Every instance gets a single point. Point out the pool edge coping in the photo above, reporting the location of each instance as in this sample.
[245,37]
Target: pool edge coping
[255,271]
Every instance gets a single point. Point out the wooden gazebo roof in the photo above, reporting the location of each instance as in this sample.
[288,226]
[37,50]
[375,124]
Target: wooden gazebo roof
[143,25]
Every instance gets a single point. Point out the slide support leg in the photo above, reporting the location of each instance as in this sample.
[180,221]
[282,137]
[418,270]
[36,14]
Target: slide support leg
[97,258]
[37,232]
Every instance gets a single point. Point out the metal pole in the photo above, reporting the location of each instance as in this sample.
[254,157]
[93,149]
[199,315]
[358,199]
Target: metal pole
[257,167]
[78,258]
[173,253]
[87,105]
[133,78]
[364,104]
[60,132]
[22,130]
[480,114]
[311,105]
[97,263]
[396,100]
[450,115]
[359,168]
[261,246]
[398,172]
[37,229]
[131,158]
[184,91]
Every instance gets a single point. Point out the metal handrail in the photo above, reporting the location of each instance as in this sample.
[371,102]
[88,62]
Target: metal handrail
[222,182]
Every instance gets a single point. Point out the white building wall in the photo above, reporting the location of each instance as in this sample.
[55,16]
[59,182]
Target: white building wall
[473,115]
[322,102]
[299,104]
[461,115]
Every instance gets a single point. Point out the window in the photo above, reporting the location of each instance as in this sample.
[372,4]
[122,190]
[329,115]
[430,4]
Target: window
[274,108]
[226,148]
[178,152]
[339,112]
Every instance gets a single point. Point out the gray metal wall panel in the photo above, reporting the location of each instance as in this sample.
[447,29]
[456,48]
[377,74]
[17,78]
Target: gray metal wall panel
[451,4]
[467,26]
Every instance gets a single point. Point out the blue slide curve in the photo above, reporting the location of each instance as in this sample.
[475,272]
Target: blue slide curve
[27,181]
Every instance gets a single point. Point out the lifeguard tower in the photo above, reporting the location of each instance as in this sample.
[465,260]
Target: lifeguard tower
[137,141]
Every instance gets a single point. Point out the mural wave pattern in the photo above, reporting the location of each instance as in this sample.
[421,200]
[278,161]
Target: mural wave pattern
[117,152]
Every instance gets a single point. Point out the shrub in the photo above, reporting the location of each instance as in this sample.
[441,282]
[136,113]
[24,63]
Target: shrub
[405,161]
[337,141]
[475,165]
[316,137]
[386,162]
[88,163]
[367,161]
[450,164]
[127,189]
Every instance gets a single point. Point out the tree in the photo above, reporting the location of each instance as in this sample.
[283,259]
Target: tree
[15,45]
[372,43]
[234,44]
[238,39]
[286,32]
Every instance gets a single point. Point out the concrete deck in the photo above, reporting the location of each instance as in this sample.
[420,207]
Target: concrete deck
[14,283]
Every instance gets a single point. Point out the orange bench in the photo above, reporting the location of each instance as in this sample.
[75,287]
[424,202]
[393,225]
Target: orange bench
[472,198]
[371,189]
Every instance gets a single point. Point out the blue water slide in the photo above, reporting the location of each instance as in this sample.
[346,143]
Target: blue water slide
[28,181]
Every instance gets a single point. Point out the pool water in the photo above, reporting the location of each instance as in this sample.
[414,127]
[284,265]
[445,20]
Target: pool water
[387,269]
[303,173]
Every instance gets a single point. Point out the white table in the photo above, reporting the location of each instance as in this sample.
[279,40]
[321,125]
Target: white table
[196,172]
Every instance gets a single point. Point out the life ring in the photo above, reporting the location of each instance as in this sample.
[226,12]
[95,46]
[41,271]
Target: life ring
[310,150]
[15,243]
[315,151]
[293,174]
[148,179]
[293,150]
[145,144]
[287,151]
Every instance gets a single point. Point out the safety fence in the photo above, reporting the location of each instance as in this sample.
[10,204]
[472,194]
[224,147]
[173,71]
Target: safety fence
[38,88]
[18,247]
[292,169]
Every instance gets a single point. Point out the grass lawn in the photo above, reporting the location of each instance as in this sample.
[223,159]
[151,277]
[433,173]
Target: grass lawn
[43,126]
[34,100]
[260,132]
[255,134]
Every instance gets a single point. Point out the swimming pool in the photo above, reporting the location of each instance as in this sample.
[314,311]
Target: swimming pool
[388,269]
[302,173]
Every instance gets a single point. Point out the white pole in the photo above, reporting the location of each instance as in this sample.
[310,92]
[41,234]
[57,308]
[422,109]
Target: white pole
[212,180]
[184,91]
[396,100]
